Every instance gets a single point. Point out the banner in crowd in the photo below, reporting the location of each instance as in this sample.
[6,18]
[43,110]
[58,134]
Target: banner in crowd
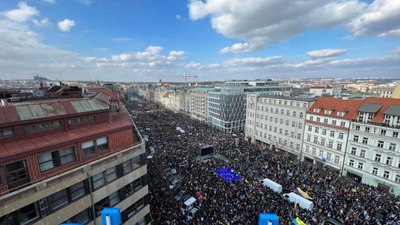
[298,221]
[227,174]
[302,193]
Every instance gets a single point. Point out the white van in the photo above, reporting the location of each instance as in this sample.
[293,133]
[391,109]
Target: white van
[302,202]
[272,184]
[188,204]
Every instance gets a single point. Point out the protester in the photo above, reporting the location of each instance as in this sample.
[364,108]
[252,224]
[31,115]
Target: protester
[240,202]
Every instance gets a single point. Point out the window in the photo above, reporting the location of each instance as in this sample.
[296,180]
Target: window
[7,132]
[397,179]
[362,153]
[81,120]
[380,144]
[309,137]
[314,151]
[287,122]
[351,163]
[328,157]
[282,111]
[325,120]
[378,157]
[367,129]
[321,153]
[309,128]
[375,171]
[389,161]
[114,198]
[50,160]
[353,151]
[83,217]
[383,132]
[341,135]
[100,205]
[323,141]
[333,122]
[357,127]
[288,112]
[311,118]
[307,149]
[42,126]
[28,214]
[360,166]
[301,115]
[332,133]
[324,131]
[318,119]
[95,146]
[337,158]
[342,124]
[330,144]
[315,139]
[17,174]
[58,199]
[339,146]
[365,140]
[77,190]
[316,130]
[98,180]
[386,174]
[395,134]
[355,138]
[392,147]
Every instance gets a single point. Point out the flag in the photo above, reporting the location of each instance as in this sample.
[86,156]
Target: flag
[302,193]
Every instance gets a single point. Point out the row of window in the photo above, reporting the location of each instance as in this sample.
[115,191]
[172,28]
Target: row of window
[388,161]
[283,102]
[81,120]
[375,171]
[56,201]
[382,132]
[327,157]
[326,121]
[42,126]
[284,142]
[277,111]
[324,131]
[329,112]
[323,142]
[380,144]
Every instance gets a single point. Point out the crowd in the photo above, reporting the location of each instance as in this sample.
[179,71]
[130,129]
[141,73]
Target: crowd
[240,202]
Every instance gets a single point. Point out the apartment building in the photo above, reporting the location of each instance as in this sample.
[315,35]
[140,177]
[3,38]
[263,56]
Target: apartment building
[327,130]
[199,103]
[373,152]
[65,159]
[277,121]
[227,104]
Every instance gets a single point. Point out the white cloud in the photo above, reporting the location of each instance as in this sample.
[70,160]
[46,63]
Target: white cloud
[326,53]
[178,17]
[101,49]
[23,13]
[255,61]
[49,1]
[194,65]
[66,25]
[174,55]
[42,23]
[260,23]
[381,18]
[86,2]
[197,9]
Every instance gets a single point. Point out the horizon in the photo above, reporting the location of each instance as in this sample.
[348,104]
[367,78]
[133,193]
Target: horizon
[144,41]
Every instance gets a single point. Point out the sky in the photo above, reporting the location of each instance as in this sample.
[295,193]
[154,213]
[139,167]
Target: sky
[148,40]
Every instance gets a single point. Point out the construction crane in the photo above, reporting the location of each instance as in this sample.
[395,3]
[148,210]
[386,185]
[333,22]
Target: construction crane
[184,75]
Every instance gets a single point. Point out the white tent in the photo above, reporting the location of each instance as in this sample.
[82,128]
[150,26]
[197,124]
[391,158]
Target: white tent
[272,184]
[302,202]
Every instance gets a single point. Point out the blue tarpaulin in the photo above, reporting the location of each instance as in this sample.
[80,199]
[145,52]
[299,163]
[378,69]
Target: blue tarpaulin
[227,174]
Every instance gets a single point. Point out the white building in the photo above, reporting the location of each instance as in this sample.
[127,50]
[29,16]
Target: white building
[327,130]
[199,103]
[373,152]
[277,121]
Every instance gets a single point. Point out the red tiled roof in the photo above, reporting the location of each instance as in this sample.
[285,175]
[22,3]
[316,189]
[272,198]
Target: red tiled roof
[166,95]
[117,120]
[104,91]
[349,106]
[387,102]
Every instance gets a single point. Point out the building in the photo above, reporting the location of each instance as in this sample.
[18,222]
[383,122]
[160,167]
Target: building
[327,130]
[277,121]
[373,152]
[65,159]
[385,91]
[199,103]
[227,104]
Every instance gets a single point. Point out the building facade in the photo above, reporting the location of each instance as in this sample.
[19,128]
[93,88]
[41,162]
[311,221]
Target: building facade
[327,130]
[64,160]
[199,103]
[277,121]
[373,152]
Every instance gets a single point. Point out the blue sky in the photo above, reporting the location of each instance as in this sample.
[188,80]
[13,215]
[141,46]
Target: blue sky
[146,40]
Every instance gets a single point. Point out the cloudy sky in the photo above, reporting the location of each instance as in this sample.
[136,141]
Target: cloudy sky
[145,40]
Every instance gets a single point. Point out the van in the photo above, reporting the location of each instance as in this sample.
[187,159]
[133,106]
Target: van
[302,202]
[188,204]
